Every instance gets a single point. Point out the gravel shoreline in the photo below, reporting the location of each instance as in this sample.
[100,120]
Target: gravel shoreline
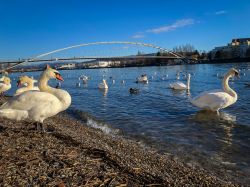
[73,154]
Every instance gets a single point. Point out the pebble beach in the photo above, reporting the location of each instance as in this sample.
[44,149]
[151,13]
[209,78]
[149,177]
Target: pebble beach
[73,154]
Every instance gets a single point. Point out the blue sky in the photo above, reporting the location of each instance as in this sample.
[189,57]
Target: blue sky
[30,27]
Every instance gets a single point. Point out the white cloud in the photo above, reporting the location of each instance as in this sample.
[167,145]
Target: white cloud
[174,26]
[220,12]
[138,36]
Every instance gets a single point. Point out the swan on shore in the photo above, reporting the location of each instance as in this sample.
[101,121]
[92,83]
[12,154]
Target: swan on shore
[37,106]
[5,85]
[180,85]
[25,80]
[218,99]
[103,85]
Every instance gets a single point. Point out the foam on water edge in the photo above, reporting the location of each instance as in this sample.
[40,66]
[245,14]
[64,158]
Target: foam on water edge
[92,122]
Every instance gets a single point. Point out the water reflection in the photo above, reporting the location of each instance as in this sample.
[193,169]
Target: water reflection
[85,85]
[219,123]
[165,116]
[215,117]
[104,92]
[180,92]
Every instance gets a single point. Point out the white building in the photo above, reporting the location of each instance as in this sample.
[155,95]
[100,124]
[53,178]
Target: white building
[67,66]
[103,64]
[236,49]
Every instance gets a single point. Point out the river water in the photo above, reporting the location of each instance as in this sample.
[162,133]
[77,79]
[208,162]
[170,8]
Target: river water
[164,119]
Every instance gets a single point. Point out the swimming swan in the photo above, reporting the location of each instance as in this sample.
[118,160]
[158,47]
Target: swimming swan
[26,80]
[142,79]
[103,85]
[38,105]
[5,85]
[180,85]
[218,99]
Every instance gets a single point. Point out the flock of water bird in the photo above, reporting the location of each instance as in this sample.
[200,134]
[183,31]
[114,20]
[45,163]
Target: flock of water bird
[36,103]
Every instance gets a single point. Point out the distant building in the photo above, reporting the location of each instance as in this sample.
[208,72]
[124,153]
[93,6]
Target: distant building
[238,48]
[67,66]
[103,64]
[108,63]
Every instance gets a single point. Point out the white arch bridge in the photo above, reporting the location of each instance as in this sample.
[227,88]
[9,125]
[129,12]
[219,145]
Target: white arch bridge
[38,58]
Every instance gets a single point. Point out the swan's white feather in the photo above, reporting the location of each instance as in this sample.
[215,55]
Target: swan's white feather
[25,89]
[14,114]
[178,86]
[213,100]
[38,105]
[4,87]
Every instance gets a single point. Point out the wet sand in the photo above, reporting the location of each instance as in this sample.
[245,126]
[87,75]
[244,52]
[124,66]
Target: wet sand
[73,154]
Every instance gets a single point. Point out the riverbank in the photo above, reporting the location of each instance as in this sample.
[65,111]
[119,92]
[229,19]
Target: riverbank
[72,154]
[149,64]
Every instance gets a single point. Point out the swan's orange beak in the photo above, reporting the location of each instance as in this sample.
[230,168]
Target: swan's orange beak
[59,77]
[18,83]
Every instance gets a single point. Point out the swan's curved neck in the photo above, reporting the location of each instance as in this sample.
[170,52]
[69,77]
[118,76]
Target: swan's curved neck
[30,84]
[188,82]
[62,95]
[226,87]
[43,84]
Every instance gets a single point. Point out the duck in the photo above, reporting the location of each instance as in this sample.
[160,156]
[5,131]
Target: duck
[218,99]
[142,79]
[25,80]
[134,90]
[36,106]
[181,86]
[103,85]
[5,85]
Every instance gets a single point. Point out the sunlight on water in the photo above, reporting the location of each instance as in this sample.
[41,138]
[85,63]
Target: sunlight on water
[164,118]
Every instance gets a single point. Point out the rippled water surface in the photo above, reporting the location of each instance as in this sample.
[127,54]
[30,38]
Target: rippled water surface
[165,119]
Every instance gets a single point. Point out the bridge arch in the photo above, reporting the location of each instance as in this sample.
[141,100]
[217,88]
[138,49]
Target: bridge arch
[99,43]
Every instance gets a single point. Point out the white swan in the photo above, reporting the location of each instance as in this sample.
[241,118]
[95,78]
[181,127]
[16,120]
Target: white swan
[218,99]
[2,78]
[5,74]
[5,85]
[180,85]
[142,79]
[38,105]
[84,79]
[103,85]
[26,80]
[177,75]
